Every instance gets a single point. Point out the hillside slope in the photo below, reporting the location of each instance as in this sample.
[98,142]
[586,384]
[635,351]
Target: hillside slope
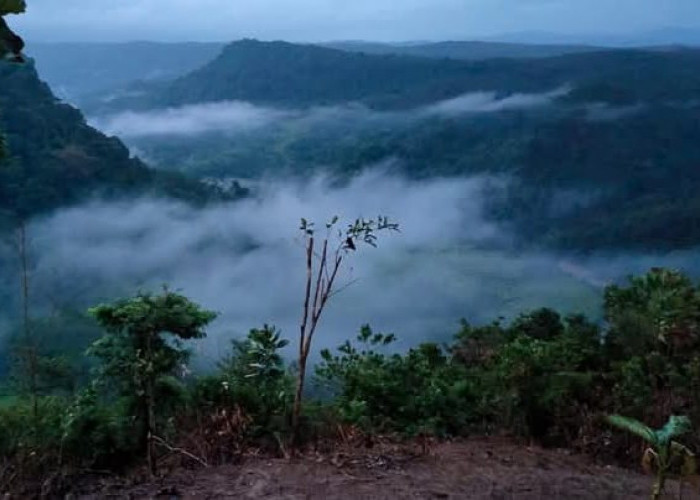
[291,75]
[601,149]
[56,159]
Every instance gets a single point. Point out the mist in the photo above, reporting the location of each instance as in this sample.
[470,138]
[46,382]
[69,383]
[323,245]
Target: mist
[245,260]
[239,116]
[190,120]
[489,102]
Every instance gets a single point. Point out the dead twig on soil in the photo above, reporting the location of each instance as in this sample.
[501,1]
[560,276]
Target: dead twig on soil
[173,449]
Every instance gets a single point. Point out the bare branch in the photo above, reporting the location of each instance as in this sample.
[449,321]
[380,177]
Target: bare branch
[342,288]
[319,279]
[164,444]
[307,295]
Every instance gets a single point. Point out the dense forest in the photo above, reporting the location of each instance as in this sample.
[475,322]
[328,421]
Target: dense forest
[56,159]
[580,153]
[577,135]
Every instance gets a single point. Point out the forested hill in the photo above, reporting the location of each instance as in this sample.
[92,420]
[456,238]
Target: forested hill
[292,75]
[610,160]
[466,50]
[56,159]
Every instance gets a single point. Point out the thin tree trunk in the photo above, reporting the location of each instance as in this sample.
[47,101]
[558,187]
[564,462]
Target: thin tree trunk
[303,354]
[150,409]
[310,318]
[30,349]
[296,412]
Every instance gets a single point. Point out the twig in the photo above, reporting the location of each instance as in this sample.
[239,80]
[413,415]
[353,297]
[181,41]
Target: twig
[283,449]
[343,288]
[164,444]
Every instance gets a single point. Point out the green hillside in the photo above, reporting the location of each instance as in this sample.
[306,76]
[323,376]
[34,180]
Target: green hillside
[612,161]
[290,75]
[56,159]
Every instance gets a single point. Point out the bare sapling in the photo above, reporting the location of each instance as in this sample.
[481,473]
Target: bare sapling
[324,259]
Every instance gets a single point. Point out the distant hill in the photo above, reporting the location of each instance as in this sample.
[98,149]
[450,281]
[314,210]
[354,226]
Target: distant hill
[56,159]
[290,75]
[612,161]
[75,70]
[464,50]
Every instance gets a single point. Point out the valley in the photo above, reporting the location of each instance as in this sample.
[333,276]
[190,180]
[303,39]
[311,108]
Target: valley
[507,232]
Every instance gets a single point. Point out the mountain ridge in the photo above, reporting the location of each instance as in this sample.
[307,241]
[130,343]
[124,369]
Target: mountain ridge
[56,159]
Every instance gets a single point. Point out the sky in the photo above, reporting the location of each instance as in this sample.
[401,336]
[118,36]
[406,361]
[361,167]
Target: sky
[326,20]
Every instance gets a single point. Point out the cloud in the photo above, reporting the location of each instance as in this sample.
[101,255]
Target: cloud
[245,259]
[489,102]
[239,116]
[229,116]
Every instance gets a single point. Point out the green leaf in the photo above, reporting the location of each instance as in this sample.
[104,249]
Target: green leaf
[675,427]
[634,426]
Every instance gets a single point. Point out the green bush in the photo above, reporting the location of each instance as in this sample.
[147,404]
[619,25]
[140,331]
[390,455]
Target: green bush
[254,378]
[421,391]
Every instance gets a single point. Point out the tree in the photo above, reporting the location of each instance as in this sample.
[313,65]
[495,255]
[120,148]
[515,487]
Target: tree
[321,275]
[657,311]
[136,355]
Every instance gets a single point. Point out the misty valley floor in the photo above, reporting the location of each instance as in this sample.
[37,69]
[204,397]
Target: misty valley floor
[479,468]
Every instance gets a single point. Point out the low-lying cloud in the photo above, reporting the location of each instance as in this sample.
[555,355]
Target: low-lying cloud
[229,116]
[238,116]
[490,102]
[246,260]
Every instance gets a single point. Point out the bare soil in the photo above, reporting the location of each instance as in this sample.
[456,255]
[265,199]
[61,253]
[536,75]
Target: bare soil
[481,468]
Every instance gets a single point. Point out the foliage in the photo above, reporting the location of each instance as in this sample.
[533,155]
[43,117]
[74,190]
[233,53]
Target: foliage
[539,376]
[614,144]
[419,392]
[322,267]
[253,377]
[56,159]
[11,44]
[137,359]
[663,452]
[12,7]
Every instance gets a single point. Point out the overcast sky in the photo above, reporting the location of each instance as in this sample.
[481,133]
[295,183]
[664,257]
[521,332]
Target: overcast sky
[324,20]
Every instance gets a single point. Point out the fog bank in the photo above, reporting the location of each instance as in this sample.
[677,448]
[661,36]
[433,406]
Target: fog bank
[245,260]
[239,116]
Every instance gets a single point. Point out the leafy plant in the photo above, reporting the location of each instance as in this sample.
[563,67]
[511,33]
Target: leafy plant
[321,276]
[11,44]
[663,452]
[12,7]
[139,359]
[421,391]
[254,376]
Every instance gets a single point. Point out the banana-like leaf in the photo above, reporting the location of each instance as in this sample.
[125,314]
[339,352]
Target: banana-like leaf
[635,427]
[675,427]
[12,7]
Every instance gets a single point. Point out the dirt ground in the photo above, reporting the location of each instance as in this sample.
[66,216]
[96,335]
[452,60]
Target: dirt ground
[487,468]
